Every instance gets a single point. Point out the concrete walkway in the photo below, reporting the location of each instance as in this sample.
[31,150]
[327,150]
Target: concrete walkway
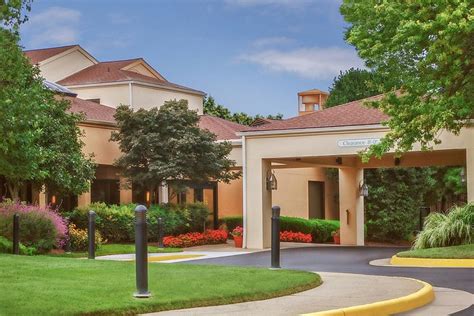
[338,290]
[446,302]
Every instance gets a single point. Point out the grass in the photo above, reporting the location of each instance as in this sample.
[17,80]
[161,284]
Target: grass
[43,285]
[452,252]
[115,249]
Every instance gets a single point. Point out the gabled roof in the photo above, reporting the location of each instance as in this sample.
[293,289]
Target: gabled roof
[113,71]
[38,55]
[349,114]
[312,91]
[223,129]
[94,112]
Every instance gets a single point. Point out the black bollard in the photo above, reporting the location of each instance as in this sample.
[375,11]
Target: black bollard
[160,233]
[16,234]
[275,237]
[91,234]
[141,252]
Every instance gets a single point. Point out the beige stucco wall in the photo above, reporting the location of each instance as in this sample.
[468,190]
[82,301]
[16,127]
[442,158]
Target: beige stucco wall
[142,96]
[97,141]
[292,193]
[111,95]
[64,66]
[230,198]
[147,97]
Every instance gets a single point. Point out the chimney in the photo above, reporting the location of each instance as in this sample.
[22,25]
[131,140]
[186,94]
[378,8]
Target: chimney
[311,101]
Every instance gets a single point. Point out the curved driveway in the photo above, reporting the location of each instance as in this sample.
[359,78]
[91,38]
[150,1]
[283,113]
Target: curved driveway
[352,260]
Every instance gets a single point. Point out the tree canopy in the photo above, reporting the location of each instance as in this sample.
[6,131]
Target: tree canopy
[212,108]
[39,140]
[166,145]
[356,84]
[428,47]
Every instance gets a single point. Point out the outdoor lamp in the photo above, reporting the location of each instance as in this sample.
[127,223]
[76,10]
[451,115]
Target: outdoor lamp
[53,199]
[463,175]
[147,198]
[272,182]
[363,189]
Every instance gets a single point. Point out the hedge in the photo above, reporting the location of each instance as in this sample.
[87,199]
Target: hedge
[320,229]
[116,222]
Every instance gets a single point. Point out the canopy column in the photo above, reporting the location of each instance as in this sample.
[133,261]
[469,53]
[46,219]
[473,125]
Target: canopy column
[470,174]
[351,206]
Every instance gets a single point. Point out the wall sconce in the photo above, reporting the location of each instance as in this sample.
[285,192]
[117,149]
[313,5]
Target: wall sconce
[339,160]
[272,183]
[363,189]
[53,199]
[463,175]
[147,198]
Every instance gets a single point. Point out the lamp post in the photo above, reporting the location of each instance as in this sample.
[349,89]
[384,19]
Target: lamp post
[275,237]
[141,253]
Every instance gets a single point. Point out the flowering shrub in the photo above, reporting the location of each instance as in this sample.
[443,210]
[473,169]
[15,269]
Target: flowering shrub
[238,231]
[196,239]
[40,227]
[79,241]
[295,237]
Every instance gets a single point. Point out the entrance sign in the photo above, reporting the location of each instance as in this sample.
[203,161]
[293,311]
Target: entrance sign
[360,142]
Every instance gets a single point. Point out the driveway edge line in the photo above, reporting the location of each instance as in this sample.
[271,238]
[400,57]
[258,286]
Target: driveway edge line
[431,262]
[388,307]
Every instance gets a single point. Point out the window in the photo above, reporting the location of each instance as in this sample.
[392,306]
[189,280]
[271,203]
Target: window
[105,190]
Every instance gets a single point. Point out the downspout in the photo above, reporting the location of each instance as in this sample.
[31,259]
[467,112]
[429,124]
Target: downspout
[244,192]
[130,94]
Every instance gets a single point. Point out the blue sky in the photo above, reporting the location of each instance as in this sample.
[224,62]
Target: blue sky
[250,55]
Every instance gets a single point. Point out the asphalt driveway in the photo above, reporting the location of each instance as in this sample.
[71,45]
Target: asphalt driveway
[351,260]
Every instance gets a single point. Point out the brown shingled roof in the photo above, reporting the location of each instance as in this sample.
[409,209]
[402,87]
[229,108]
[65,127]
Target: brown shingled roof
[348,114]
[111,71]
[92,111]
[38,55]
[223,129]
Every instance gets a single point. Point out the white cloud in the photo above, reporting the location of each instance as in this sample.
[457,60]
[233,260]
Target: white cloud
[312,63]
[54,26]
[271,41]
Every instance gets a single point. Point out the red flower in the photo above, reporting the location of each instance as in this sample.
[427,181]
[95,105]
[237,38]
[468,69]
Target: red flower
[196,239]
[295,237]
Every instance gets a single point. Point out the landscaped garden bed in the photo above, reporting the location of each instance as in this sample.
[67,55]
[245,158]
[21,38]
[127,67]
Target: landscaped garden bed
[42,285]
[453,252]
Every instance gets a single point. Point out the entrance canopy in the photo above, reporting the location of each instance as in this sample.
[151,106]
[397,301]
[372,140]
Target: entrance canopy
[333,138]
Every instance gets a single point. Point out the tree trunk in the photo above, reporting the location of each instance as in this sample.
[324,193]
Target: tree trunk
[14,189]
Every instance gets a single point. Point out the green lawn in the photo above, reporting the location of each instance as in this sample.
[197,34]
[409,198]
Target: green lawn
[454,252]
[115,249]
[43,285]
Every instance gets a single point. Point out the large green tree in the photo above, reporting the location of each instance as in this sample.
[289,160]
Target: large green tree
[211,107]
[427,45]
[356,84]
[39,140]
[166,145]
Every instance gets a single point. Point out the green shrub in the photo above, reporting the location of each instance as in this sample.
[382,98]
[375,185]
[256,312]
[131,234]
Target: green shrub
[116,222]
[231,222]
[6,246]
[320,229]
[40,227]
[452,229]
[79,241]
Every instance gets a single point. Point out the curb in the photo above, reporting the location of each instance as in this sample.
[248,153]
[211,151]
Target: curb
[393,306]
[432,263]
